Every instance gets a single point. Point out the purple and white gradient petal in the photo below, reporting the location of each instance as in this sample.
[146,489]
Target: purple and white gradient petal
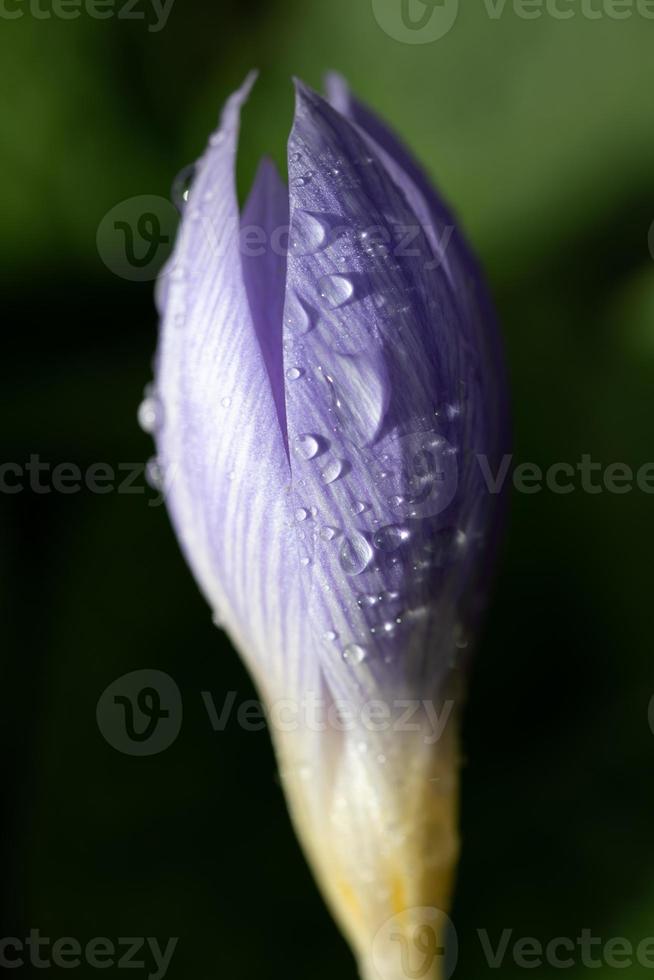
[322,408]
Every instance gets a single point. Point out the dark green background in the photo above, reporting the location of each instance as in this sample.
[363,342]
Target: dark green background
[541,134]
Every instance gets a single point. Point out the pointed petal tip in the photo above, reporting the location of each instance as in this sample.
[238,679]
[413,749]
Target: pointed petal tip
[336,89]
[238,97]
[268,176]
[305,95]
[249,82]
[267,166]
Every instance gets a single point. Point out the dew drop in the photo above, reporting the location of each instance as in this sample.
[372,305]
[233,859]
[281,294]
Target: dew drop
[182,186]
[149,413]
[332,471]
[360,394]
[328,533]
[178,273]
[354,653]
[355,554]
[301,317]
[305,179]
[367,600]
[305,561]
[358,507]
[390,538]
[336,290]
[301,514]
[307,446]
[309,233]
[293,374]
[330,636]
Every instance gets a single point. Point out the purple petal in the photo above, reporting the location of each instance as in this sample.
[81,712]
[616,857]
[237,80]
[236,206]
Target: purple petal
[391,385]
[220,444]
[264,234]
[443,230]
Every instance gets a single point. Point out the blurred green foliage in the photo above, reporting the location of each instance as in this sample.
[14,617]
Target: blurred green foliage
[540,134]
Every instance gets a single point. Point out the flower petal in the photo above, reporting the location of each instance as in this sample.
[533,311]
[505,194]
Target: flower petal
[445,235]
[396,394]
[221,446]
[265,222]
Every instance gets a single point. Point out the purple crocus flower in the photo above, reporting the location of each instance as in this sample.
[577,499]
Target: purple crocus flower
[331,394]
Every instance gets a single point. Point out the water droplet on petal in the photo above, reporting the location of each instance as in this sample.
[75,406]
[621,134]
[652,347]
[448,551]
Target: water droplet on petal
[181,186]
[305,179]
[330,636]
[360,394]
[367,600]
[308,233]
[336,290]
[178,273]
[149,412]
[293,374]
[328,533]
[390,537]
[332,471]
[307,446]
[355,554]
[354,653]
[358,507]
[300,316]
[301,514]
